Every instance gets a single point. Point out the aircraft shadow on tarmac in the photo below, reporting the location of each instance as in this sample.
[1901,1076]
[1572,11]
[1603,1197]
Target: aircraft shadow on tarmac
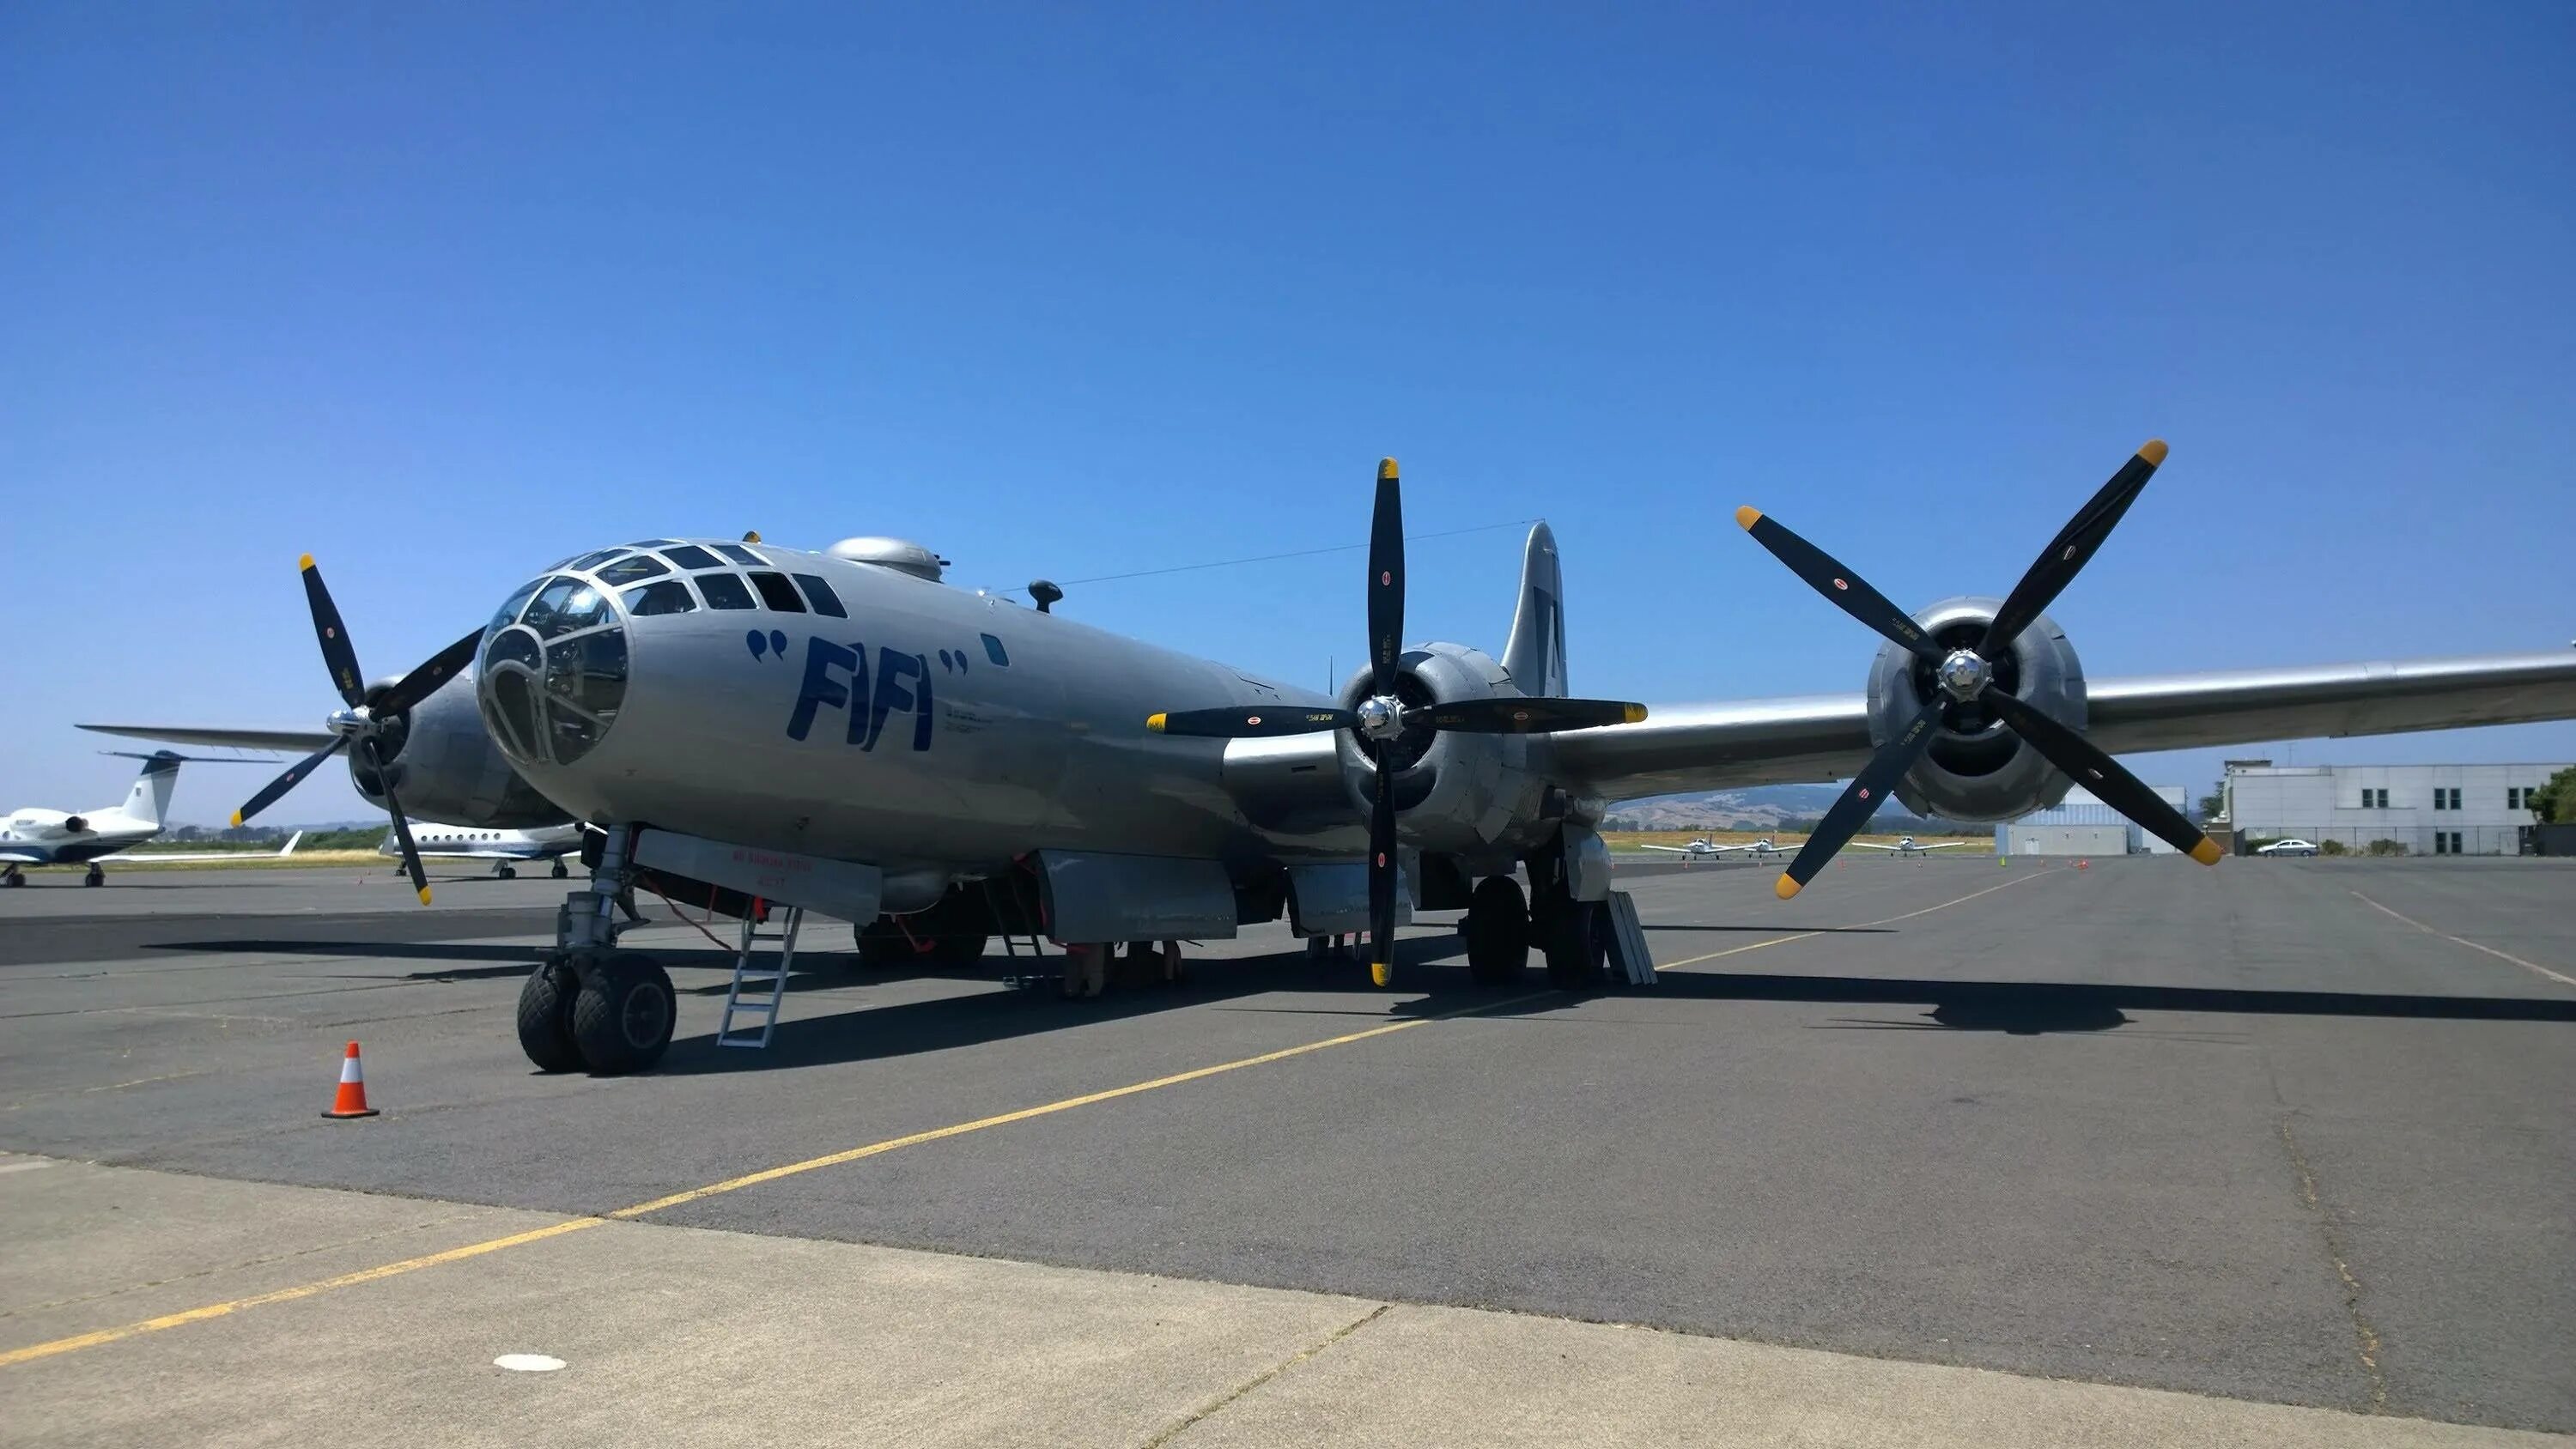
[1436,982]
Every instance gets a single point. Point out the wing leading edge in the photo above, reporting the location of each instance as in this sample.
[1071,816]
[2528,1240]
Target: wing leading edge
[1826,737]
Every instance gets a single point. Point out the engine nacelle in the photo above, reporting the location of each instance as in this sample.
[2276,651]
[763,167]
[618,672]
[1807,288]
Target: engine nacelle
[445,766]
[1976,768]
[76,823]
[1458,792]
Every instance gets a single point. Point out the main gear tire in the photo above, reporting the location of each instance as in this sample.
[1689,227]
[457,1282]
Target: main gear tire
[622,1019]
[545,1017]
[1498,932]
[1578,951]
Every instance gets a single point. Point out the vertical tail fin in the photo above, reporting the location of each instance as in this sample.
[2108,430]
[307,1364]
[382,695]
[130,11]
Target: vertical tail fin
[291,842]
[149,800]
[1535,657]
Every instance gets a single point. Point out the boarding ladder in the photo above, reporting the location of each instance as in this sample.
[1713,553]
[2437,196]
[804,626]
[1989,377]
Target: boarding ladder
[767,985]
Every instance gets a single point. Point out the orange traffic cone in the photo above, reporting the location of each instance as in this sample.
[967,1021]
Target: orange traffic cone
[352,1098]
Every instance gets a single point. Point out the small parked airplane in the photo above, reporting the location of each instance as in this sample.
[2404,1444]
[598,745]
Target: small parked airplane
[1908,845]
[506,849]
[36,836]
[1702,847]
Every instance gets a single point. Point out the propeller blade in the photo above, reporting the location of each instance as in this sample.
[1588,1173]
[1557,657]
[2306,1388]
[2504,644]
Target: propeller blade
[1828,577]
[402,827]
[1508,715]
[338,654]
[294,776]
[2101,774]
[2066,554]
[1860,799]
[427,676]
[1382,876]
[1250,721]
[1386,579]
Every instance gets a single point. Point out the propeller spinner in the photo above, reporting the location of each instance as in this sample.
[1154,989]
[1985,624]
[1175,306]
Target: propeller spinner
[1967,676]
[1380,719]
[365,718]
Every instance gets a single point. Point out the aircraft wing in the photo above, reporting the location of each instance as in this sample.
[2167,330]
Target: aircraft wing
[1871,845]
[1943,845]
[1826,737]
[24,855]
[295,741]
[1675,849]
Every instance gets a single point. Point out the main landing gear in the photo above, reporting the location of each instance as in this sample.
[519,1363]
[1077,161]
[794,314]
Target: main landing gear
[11,875]
[94,876]
[1502,925]
[505,871]
[589,1005]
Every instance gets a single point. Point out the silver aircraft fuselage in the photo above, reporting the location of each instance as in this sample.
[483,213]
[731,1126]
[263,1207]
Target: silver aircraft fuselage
[930,726]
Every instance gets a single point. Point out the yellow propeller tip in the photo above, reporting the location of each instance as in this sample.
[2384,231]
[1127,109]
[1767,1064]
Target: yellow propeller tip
[1747,516]
[1155,723]
[1633,714]
[236,820]
[304,563]
[1381,973]
[424,895]
[2207,852]
[1386,470]
[2153,450]
[1786,887]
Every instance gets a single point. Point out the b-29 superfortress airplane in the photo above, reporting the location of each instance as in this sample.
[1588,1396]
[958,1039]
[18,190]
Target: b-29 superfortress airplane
[844,731]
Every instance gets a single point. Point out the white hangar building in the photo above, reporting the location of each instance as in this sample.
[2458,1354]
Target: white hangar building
[2425,809]
[2082,825]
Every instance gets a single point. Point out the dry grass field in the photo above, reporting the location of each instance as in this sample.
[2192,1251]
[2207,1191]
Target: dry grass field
[1632,840]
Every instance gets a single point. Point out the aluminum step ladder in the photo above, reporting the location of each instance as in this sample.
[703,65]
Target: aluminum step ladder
[768,984]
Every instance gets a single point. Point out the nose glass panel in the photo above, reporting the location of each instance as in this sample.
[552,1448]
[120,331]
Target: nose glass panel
[554,671]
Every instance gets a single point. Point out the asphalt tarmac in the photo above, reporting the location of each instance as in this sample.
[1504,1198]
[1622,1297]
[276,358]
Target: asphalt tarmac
[2287,1132]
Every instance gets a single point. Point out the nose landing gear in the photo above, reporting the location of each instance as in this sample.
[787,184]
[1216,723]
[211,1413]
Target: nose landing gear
[588,1004]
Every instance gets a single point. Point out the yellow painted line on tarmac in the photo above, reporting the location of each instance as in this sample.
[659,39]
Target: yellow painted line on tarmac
[475,1250]
[285,1295]
[2559,977]
[936,1134]
[1891,920]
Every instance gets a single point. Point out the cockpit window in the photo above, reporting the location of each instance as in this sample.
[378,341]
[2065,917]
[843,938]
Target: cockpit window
[509,612]
[564,605]
[777,594]
[994,651]
[740,555]
[725,591]
[593,560]
[654,543]
[662,596]
[820,595]
[690,556]
[628,570]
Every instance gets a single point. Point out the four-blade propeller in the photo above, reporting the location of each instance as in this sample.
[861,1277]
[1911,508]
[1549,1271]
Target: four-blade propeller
[1379,721]
[1965,676]
[366,717]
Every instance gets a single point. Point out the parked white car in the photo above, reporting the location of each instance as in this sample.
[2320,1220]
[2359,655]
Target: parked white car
[2287,847]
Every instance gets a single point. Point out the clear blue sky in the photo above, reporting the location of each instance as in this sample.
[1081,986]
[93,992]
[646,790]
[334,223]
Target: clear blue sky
[442,293]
